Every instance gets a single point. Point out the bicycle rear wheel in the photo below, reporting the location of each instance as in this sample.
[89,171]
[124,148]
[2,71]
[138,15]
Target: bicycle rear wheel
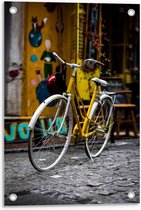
[99,128]
[51,134]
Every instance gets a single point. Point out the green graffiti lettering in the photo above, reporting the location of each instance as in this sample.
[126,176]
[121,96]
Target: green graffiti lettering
[51,128]
[58,124]
[42,123]
[23,131]
[9,137]
[49,124]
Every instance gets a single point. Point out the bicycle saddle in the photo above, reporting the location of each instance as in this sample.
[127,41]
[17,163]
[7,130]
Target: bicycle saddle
[100,82]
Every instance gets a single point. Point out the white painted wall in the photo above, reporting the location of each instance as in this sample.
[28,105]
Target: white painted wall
[14,88]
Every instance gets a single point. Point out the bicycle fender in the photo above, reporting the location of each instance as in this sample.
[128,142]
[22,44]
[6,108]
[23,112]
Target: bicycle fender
[95,104]
[40,109]
[105,96]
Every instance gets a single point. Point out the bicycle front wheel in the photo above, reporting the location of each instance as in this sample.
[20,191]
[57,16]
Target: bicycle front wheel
[51,134]
[99,128]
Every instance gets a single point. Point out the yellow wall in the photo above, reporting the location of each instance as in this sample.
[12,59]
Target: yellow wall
[29,100]
[84,83]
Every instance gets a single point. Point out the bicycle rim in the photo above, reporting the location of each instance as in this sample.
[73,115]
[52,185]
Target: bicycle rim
[100,127]
[51,135]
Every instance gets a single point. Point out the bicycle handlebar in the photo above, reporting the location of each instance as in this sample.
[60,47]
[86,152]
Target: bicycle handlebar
[58,57]
[74,65]
[99,63]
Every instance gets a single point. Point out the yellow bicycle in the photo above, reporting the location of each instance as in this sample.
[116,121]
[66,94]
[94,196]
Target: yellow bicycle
[52,124]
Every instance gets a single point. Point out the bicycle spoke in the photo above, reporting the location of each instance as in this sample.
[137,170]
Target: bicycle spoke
[51,134]
[100,126]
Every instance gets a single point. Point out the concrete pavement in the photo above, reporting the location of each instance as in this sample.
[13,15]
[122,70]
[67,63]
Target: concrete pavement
[110,179]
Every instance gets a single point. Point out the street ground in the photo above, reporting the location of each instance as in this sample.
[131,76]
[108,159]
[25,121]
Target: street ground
[113,178]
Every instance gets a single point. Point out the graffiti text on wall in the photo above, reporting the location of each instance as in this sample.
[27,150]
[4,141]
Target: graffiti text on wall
[15,131]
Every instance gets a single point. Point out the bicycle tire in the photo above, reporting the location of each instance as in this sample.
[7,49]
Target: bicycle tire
[46,147]
[100,126]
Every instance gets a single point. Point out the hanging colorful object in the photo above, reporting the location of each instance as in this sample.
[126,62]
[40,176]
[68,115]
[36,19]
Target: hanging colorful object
[48,58]
[56,83]
[14,71]
[33,82]
[33,58]
[39,75]
[42,91]
[35,35]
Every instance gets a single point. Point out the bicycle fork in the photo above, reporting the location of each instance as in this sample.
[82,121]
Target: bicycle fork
[56,115]
[66,111]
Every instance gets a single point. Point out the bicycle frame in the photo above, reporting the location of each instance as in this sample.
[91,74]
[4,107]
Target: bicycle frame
[72,88]
[94,124]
